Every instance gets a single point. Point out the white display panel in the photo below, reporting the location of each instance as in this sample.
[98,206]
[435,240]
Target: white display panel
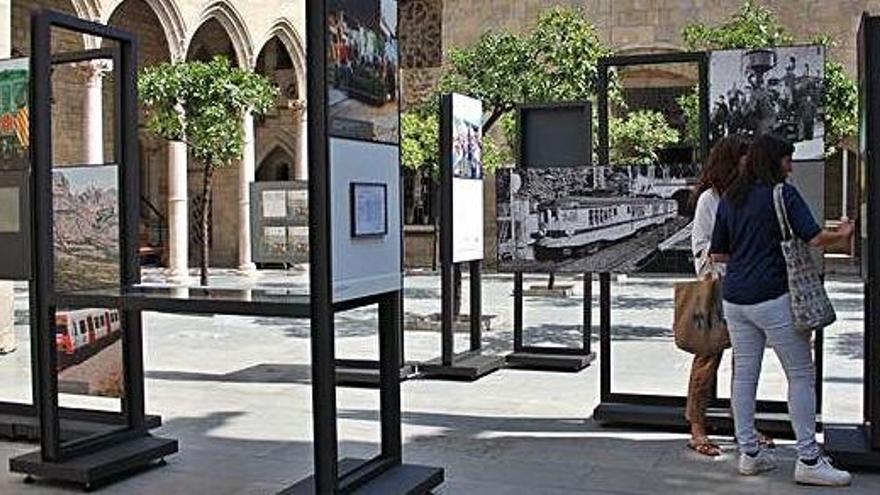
[467,179]
[364,266]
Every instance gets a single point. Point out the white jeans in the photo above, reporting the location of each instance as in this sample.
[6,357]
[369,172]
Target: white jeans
[752,327]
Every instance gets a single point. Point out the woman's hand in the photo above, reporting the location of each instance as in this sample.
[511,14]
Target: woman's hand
[830,237]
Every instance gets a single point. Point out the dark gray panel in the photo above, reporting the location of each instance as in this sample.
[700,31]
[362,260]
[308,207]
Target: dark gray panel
[556,135]
[15,236]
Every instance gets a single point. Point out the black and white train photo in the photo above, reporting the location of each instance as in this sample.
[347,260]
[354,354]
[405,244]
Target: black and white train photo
[590,219]
[770,91]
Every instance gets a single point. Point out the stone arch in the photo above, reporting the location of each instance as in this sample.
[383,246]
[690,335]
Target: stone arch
[284,31]
[236,29]
[170,18]
[276,165]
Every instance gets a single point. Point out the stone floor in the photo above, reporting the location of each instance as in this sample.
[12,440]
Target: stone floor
[235,392]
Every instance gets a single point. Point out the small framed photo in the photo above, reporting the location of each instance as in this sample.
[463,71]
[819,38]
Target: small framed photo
[369,209]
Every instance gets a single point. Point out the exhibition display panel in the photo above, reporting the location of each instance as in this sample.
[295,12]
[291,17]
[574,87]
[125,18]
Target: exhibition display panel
[656,408]
[461,236]
[356,233]
[59,325]
[542,205]
[858,446]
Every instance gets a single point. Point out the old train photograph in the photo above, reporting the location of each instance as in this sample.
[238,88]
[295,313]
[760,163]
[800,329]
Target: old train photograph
[590,219]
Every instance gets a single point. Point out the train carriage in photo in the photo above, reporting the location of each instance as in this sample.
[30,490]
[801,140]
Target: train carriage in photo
[85,329]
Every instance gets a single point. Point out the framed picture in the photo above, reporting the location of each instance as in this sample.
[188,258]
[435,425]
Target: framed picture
[369,209]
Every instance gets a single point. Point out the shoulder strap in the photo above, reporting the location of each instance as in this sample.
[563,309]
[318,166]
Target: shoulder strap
[781,212]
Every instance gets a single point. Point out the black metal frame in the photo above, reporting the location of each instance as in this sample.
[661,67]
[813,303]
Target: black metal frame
[663,410]
[544,357]
[858,446]
[386,472]
[94,458]
[471,364]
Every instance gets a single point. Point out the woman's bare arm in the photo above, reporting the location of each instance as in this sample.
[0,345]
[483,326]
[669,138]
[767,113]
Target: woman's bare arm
[830,237]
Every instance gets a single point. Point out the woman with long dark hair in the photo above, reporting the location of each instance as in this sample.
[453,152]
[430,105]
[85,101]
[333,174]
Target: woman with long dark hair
[757,305]
[716,176]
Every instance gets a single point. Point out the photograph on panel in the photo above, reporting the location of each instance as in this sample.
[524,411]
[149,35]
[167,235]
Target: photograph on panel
[362,66]
[770,91]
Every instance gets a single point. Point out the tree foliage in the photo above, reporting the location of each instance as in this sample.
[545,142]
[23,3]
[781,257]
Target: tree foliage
[636,137]
[555,60]
[203,104]
[756,26]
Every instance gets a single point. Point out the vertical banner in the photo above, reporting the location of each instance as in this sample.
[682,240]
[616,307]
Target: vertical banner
[463,173]
[363,112]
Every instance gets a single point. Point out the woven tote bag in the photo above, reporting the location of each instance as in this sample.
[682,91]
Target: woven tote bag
[811,308]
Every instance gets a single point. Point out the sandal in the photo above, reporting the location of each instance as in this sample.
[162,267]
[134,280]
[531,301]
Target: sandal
[704,446]
[765,442]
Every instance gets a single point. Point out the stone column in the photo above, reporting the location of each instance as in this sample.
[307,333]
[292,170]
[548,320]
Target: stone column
[93,111]
[178,213]
[7,288]
[246,175]
[301,161]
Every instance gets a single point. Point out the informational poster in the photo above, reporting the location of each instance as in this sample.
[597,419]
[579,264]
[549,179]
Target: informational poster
[770,91]
[612,219]
[89,343]
[466,152]
[14,170]
[363,70]
[366,218]
[86,227]
[369,209]
[279,222]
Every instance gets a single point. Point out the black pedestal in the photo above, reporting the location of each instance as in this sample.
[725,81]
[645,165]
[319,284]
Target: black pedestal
[672,418]
[95,469]
[406,479]
[851,447]
[550,361]
[23,425]
[468,366]
[358,373]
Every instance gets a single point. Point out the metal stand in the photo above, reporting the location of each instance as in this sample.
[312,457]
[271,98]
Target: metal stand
[858,446]
[19,422]
[551,358]
[385,473]
[472,364]
[105,456]
[668,412]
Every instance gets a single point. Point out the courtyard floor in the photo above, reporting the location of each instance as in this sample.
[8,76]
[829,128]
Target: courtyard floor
[235,392]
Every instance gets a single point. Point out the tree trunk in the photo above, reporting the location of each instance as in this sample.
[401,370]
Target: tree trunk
[496,114]
[207,199]
[551,283]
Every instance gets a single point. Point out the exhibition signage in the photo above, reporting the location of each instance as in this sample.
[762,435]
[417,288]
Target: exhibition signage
[467,177]
[461,236]
[14,169]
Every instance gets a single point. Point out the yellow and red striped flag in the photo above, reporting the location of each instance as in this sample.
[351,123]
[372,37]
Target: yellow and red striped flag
[22,127]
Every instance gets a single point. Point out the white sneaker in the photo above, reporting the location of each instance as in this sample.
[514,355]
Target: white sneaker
[822,474]
[761,463]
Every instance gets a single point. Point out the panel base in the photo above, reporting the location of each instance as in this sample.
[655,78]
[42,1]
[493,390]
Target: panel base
[406,479]
[550,362]
[468,366]
[98,468]
[20,424]
[561,291]
[365,374]
[671,418]
[850,445]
